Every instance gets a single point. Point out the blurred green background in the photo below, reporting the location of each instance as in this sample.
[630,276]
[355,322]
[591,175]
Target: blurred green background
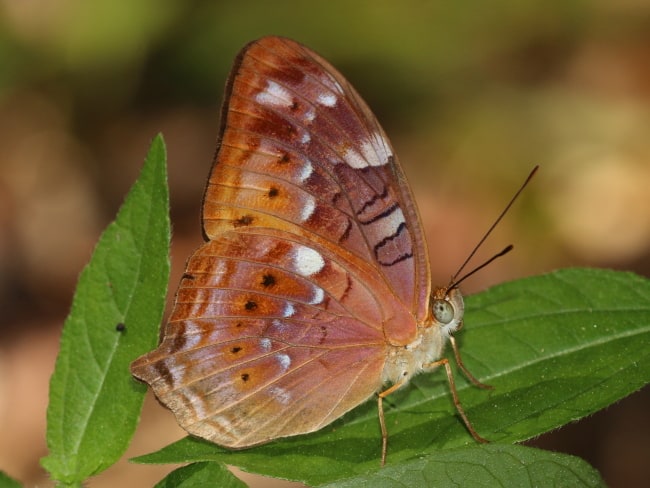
[473,95]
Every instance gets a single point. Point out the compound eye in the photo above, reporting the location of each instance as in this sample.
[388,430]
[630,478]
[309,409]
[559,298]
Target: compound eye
[443,311]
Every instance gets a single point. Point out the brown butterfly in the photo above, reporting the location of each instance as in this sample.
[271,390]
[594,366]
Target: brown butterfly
[313,289]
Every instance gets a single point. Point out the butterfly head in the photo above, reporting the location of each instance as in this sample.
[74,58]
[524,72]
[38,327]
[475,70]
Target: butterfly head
[447,308]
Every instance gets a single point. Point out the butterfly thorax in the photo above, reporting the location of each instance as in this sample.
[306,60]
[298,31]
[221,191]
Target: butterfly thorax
[445,316]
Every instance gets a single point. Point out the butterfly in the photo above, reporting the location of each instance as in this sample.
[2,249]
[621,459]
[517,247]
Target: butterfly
[312,292]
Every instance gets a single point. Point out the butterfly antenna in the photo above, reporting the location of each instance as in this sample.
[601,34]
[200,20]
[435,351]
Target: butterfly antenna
[454,282]
[506,250]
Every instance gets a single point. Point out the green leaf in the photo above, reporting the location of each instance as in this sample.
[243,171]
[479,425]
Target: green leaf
[7,482]
[201,475]
[483,465]
[555,348]
[94,403]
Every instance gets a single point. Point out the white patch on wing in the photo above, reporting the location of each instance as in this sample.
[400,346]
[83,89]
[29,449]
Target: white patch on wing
[265,344]
[224,423]
[279,325]
[307,261]
[306,138]
[274,95]
[374,152]
[354,159]
[310,114]
[306,171]
[199,406]
[319,294]
[327,99]
[308,210]
[191,340]
[391,222]
[289,310]
[284,360]
[220,268]
[280,394]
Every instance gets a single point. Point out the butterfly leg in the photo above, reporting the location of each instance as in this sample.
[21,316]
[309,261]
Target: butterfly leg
[462,367]
[452,386]
[382,420]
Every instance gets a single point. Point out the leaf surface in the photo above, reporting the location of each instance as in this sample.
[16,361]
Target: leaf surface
[94,403]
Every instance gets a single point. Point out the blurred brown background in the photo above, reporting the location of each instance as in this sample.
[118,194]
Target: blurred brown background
[473,94]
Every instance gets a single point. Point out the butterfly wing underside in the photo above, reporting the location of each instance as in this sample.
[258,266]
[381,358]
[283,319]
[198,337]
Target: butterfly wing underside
[315,260]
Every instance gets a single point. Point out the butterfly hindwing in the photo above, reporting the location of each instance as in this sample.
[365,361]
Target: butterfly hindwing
[262,326]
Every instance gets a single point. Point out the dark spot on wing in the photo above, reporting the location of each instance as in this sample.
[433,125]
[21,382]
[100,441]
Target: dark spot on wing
[179,339]
[268,280]
[164,373]
[243,221]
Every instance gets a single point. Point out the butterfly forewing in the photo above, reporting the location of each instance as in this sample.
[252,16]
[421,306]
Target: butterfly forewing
[315,262]
[301,151]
